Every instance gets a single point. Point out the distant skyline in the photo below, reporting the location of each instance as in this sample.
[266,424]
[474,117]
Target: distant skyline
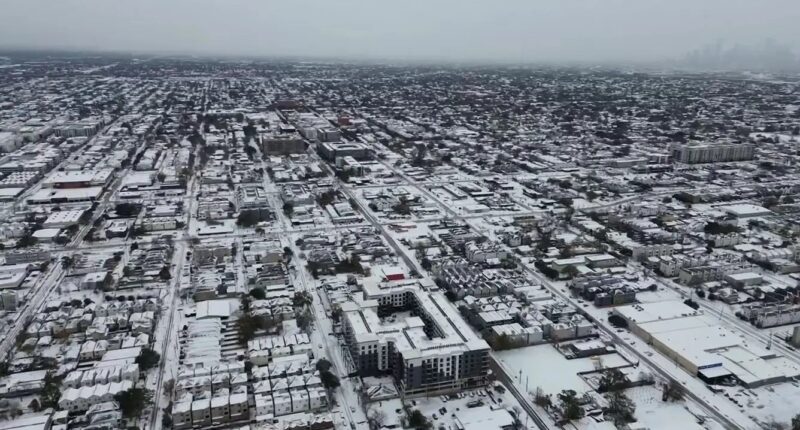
[508,31]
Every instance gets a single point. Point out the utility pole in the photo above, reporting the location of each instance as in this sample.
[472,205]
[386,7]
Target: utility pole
[769,343]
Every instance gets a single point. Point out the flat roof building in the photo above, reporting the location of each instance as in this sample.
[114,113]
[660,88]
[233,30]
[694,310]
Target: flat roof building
[331,151]
[60,219]
[713,153]
[42,421]
[703,347]
[428,348]
[50,195]
[78,178]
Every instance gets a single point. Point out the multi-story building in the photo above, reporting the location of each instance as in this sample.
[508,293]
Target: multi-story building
[83,128]
[27,256]
[350,164]
[331,151]
[483,252]
[713,271]
[297,194]
[604,289]
[9,141]
[253,199]
[251,196]
[771,315]
[283,144]
[328,134]
[713,153]
[429,349]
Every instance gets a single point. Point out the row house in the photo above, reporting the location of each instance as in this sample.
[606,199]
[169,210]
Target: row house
[101,375]
[290,402]
[80,399]
[204,410]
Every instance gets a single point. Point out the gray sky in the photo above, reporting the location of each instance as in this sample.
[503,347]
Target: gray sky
[469,30]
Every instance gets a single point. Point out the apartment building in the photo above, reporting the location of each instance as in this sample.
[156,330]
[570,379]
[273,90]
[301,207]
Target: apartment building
[415,336]
[713,153]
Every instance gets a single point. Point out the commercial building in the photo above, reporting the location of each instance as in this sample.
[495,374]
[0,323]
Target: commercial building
[19,179]
[78,179]
[331,151]
[704,348]
[328,134]
[416,336]
[745,210]
[50,195]
[42,421]
[61,219]
[11,276]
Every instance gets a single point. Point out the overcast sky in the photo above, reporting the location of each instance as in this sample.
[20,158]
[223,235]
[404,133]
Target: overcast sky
[447,30]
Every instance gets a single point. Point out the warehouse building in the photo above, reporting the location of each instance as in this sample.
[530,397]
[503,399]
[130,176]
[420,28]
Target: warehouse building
[704,348]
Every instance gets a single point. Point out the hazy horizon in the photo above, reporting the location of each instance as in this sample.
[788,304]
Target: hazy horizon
[511,31]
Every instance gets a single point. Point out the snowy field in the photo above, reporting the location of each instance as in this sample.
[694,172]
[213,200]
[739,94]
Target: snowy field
[536,364]
[778,402]
[654,414]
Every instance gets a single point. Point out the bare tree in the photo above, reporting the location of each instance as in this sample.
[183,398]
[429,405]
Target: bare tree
[517,414]
[376,419]
[772,424]
[168,386]
[542,399]
[673,391]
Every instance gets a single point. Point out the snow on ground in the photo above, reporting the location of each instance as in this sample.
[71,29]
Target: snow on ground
[391,411]
[654,414]
[660,295]
[778,402]
[538,362]
[432,406]
[692,383]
